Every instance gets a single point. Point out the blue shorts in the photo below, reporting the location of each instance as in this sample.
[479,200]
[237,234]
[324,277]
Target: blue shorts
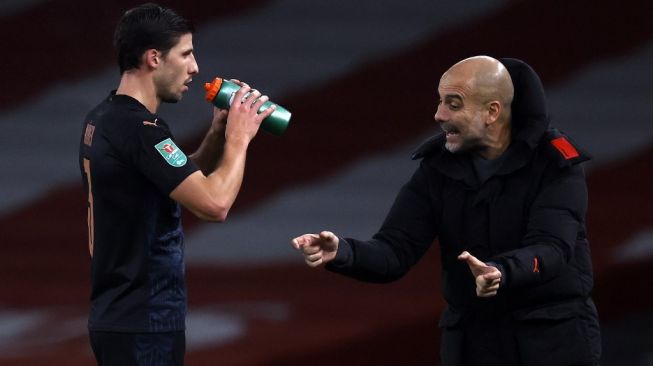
[138,349]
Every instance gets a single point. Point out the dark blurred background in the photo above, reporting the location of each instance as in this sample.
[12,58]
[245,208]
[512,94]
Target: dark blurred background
[360,78]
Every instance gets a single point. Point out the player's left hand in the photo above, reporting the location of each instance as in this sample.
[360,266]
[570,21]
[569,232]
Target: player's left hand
[488,278]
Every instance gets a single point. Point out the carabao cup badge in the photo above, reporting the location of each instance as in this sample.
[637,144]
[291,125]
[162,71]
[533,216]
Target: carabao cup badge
[171,153]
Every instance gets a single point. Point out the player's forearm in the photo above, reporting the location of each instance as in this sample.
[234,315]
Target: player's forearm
[225,181]
[210,151]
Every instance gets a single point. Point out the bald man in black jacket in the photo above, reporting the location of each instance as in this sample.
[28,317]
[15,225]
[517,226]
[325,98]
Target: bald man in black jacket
[505,195]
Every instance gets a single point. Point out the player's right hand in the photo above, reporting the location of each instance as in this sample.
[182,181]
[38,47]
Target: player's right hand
[317,249]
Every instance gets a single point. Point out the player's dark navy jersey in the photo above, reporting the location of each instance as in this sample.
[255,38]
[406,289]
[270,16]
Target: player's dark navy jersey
[130,164]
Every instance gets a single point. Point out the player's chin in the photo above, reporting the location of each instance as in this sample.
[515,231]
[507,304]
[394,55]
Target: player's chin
[172,98]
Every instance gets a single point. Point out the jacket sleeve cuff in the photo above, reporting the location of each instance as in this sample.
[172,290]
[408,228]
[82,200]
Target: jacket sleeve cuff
[344,256]
[504,275]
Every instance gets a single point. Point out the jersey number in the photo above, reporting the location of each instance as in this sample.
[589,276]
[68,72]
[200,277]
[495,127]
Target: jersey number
[89,215]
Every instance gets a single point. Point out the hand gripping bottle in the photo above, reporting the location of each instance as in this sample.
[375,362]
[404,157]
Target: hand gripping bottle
[221,93]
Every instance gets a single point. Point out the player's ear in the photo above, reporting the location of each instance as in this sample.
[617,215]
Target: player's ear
[151,58]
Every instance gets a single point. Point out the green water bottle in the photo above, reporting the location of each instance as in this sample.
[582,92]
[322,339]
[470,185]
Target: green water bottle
[221,93]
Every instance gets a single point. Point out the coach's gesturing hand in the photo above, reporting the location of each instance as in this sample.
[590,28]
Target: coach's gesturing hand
[488,278]
[317,249]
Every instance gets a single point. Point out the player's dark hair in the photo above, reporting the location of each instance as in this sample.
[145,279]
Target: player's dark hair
[148,26]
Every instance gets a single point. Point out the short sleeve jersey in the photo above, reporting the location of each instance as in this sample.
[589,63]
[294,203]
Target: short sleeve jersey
[130,163]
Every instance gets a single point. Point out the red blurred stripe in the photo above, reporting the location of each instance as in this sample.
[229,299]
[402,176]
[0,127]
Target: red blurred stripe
[376,107]
[65,40]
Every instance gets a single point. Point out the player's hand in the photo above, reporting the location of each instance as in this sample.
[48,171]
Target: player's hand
[317,249]
[243,120]
[488,278]
[219,121]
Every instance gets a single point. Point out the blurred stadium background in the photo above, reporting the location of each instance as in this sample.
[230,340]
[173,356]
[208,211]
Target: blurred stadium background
[360,78]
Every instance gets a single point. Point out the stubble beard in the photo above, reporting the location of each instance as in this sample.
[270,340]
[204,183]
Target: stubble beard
[451,147]
[169,97]
[164,91]
[465,145]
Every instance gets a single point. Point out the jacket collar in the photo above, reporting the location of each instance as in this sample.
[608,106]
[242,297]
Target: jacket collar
[460,167]
[530,117]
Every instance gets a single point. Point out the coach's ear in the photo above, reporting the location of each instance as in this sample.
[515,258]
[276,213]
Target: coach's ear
[494,109]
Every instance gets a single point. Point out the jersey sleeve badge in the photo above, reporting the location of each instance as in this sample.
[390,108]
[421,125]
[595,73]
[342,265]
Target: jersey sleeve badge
[171,153]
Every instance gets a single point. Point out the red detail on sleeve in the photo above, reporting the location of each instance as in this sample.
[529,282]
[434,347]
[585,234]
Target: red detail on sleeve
[536,265]
[565,147]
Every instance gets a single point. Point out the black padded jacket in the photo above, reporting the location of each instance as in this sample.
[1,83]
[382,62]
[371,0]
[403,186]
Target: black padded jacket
[529,218]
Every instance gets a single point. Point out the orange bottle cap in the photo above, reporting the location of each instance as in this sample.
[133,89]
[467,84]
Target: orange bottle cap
[212,88]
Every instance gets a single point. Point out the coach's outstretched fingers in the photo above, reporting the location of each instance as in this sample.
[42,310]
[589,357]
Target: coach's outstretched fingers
[317,249]
[487,277]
